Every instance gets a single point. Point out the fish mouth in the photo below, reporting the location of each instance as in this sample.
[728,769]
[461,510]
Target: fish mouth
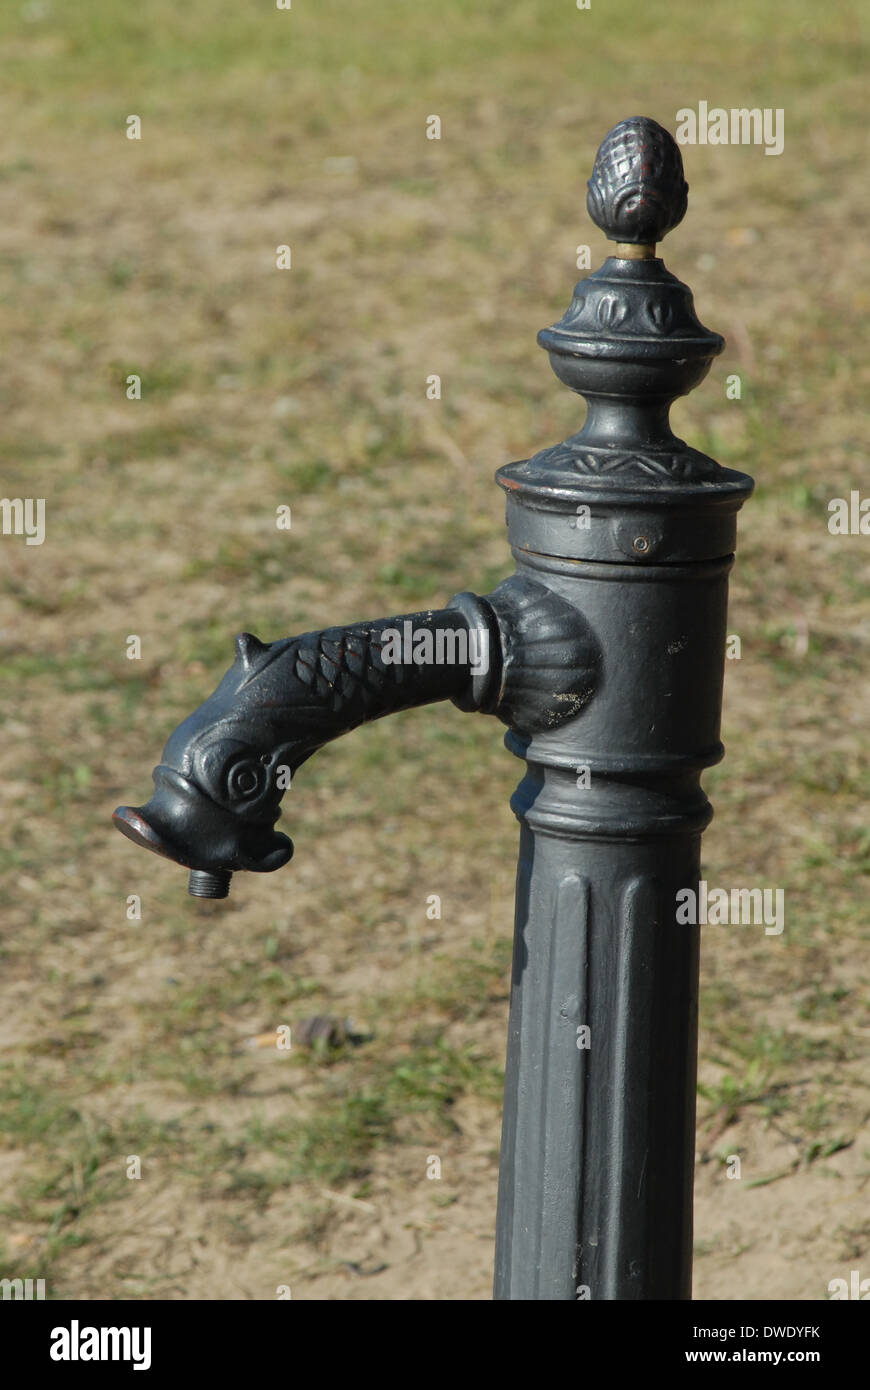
[181,823]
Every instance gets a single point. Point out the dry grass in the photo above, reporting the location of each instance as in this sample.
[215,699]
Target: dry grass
[307,387]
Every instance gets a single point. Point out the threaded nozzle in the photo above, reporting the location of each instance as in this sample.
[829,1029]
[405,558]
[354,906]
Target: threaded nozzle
[205,883]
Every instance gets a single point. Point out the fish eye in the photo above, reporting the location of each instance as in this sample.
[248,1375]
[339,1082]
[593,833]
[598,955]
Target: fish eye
[245,779]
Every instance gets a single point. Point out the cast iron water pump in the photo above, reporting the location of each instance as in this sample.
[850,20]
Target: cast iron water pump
[604,654]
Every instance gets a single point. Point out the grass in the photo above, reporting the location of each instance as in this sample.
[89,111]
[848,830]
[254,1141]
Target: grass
[307,388]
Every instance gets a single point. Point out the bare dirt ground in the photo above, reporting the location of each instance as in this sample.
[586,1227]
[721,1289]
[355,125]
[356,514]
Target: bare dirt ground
[125,1039]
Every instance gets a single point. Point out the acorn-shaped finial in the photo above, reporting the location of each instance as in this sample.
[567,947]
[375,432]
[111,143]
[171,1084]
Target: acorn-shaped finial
[637,192]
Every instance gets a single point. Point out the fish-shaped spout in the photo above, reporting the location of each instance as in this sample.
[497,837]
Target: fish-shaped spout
[224,771]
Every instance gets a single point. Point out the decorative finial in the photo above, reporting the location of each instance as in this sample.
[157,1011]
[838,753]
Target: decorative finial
[630,341]
[637,192]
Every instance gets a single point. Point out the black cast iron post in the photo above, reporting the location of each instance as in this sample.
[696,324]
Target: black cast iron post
[637,531]
[604,654]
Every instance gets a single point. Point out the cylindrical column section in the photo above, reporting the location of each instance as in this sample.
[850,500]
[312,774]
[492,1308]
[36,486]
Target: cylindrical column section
[595,1196]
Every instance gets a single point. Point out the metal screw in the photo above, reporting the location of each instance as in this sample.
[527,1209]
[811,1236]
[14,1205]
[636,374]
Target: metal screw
[641,544]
